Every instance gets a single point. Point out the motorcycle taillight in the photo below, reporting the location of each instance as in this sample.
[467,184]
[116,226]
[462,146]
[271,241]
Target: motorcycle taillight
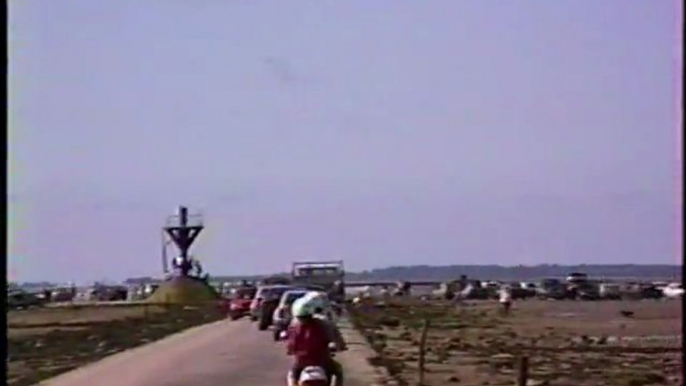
[317,382]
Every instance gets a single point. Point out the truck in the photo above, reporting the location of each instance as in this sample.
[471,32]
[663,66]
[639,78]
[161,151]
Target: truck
[329,275]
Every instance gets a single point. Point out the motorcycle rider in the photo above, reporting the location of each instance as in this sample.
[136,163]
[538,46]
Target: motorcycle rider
[309,339]
[323,311]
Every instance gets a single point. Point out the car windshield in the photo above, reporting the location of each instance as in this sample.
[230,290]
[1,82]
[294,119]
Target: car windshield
[245,293]
[273,292]
[279,291]
[317,271]
[292,297]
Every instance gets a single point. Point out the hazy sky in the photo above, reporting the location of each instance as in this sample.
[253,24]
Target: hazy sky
[379,132]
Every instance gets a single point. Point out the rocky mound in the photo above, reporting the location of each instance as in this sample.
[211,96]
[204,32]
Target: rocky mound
[184,290]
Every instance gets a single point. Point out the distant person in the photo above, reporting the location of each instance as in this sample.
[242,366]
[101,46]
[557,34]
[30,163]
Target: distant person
[47,295]
[505,300]
[181,266]
[462,283]
[197,266]
[177,262]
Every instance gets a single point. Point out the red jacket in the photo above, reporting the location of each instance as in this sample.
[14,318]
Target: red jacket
[309,343]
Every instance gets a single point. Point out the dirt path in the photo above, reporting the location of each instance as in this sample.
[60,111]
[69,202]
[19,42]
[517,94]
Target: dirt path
[216,354]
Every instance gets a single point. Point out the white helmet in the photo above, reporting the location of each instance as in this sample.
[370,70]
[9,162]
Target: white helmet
[309,304]
[318,296]
[302,307]
[319,300]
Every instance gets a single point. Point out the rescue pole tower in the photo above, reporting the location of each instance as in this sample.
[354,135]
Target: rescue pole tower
[183,229]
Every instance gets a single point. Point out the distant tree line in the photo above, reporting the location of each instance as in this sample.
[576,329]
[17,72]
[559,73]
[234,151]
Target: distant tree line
[453,272]
[499,272]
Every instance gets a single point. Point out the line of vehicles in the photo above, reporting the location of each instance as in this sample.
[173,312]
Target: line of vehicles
[269,303]
[26,298]
[329,276]
[576,286]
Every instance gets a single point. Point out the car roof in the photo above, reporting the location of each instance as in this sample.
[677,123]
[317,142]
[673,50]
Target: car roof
[270,286]
[285,295]
[297,290]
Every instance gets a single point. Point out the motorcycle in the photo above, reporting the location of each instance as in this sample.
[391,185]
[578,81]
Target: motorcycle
[312,375]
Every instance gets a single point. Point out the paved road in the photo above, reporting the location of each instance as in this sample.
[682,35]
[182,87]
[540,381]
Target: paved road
[217,354]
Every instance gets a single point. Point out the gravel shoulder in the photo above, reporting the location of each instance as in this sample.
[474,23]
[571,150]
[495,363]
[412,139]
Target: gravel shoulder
[358,360]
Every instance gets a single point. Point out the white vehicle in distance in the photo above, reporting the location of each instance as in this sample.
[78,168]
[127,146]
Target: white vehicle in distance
[674,290]
[610,291]
[576,277]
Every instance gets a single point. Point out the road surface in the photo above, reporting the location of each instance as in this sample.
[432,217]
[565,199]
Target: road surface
[216,354]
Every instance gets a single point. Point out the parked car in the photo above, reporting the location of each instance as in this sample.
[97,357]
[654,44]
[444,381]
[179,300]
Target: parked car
[649,291]
[240,300]
[587,290]
[551,289]
[528,285]
[673,290]
[610,291]
[576,277]
[522,290]
[109,293]
[282,314]
[263,291]
[661,285]
[18,299]
[265,302]
[475,290]
[63,294]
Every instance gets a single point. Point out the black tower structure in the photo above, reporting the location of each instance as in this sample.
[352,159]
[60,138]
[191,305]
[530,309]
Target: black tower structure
[183,231]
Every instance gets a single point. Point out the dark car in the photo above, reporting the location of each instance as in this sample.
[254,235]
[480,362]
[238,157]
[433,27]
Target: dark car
[552,289]
[110,293]
[21,299]
[264,292]
[271,302]
[650,291]
[588,291]
[264,304]
[63,295]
